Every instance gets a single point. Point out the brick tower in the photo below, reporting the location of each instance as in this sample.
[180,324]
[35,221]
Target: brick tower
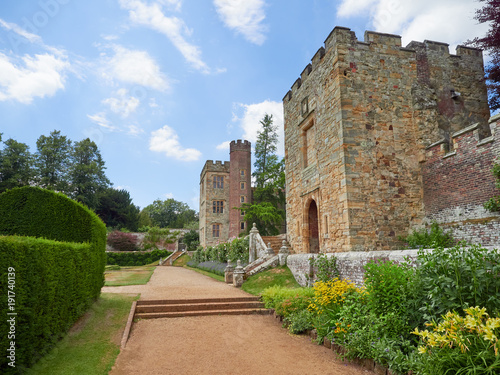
[240,191]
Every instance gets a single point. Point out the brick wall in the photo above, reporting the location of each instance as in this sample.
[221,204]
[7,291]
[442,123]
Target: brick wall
[458,180]
[240,159]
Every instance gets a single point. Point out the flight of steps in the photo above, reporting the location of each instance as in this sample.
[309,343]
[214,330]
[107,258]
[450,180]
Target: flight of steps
[276,243]
[199,307]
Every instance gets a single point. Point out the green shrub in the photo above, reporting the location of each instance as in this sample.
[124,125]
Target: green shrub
[138,258]
[325,268]
[58,274]
[275,295]
[234,249]
[299,321]
[427,239]
[122,241]
[459,277]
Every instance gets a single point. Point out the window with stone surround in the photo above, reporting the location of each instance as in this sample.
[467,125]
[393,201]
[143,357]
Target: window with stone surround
[218,207]
[242,199]
[218,182]
[308,143]
[216,230]
[326,224]
[242,225]
[242,185]
[243,172]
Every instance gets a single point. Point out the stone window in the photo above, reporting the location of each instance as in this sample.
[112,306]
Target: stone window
[308,144]
[242,186]
[326,224]
[242,225]
[304,107]
[218,207]
[242,213]
[216,230]
[218,182]
[242,199]
[242,172]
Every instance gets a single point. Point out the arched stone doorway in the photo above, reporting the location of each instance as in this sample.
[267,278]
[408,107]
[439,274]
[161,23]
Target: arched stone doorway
[312,217]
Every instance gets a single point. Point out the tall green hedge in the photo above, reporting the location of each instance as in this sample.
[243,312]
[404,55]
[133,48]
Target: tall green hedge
[56,247]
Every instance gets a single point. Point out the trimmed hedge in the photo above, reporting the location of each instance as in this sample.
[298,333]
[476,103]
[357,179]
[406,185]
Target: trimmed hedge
[139,258]
[58,274]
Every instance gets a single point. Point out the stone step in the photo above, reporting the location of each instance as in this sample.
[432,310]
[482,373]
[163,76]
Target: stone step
[199,307]
[197,300]
[201,313]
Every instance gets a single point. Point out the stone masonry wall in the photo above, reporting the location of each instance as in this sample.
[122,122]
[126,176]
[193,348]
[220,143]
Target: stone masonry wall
[207,195]
[240,158]
[458,182]
[357,122]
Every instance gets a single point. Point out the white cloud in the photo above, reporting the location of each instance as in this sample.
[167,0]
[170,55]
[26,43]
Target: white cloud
[168,195]
[254,113]
[152,16]
[135,67]
[101,120]
[244,16]
[33,76]
[152,103]
[166,140]
[32,38]
[134,130]
[123,104]
[419,20]
[223,146]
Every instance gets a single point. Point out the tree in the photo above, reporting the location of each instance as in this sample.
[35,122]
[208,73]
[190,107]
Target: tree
[86,174]
[116,209]
[53,161]
[16,165]
[192,240]
[268,208]
[170,213]
[491,43]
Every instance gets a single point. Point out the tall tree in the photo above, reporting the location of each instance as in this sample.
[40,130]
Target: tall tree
[53,161]
[170,213]
[490,12]
[268,207]
[86,173]
[116,209]
[16,165]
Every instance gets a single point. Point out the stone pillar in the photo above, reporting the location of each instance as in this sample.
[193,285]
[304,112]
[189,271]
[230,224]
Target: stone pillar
[283,253]
[238,275]
[228,272]
[269,250]
[252,244]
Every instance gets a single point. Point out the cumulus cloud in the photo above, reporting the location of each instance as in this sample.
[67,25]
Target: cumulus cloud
[122,104]
[252,114]
[419,20]
[223,145]
[135,67]
[31,76]
[166,140]
[244,16]
[174,28]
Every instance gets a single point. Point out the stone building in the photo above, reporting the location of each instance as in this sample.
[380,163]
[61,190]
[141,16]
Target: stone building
[358,122]
[223,186]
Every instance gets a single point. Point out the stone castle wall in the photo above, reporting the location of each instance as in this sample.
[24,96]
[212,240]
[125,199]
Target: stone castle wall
[240,172]
[357,122]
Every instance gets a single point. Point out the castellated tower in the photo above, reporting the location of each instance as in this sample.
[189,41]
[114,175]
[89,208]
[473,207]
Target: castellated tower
[240,191]
[223,186]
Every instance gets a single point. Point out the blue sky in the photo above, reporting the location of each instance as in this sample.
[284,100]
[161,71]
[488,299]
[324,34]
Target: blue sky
[163,85]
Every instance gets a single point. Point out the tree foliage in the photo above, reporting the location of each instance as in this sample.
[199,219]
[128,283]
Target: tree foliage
[16,165]
[490,13]
[493,204]
[116,209]
[170,213]
[52,161]
[268,208]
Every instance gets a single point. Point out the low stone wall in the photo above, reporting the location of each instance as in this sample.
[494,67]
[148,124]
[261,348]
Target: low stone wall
[350,264]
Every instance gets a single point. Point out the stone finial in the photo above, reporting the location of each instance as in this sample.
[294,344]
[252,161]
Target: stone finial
[283,253]
[269,249]
[228,272]
[238,275]
[254,229]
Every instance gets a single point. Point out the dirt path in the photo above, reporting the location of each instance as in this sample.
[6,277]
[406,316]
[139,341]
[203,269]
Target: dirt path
[252,344]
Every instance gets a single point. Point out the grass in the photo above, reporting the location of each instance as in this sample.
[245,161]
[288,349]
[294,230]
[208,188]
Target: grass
[129,275]
[206,273]
[182,260]
[279,276]
[93,343]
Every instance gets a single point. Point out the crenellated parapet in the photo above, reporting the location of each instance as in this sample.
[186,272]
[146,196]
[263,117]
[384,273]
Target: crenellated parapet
[240,145]
[215,166]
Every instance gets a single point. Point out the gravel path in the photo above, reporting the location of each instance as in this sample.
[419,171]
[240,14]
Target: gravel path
[252,344]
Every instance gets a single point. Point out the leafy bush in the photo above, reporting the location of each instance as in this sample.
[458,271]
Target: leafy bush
[234,249]
[299,321]
[292,305]
[157,238]
[138,258]
[461,345]
[56,277]
[122,241]
[435,237]
[192,240]
[275,295]
[325,267]
[457,278]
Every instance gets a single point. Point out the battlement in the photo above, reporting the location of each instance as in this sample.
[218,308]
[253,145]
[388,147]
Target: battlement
[240,145]
[342,39]
[217,166]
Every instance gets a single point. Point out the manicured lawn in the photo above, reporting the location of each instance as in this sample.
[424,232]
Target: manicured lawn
[129,275]
[93,343]
[279,276]
[182,260]
[206,273]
